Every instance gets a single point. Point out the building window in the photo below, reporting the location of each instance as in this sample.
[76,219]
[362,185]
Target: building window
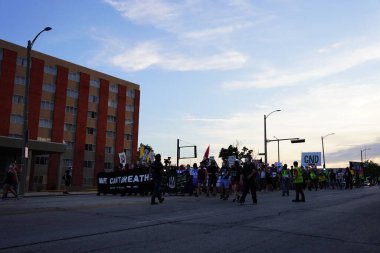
[47,105]
[113,88]
[49,87]
[20,80]
[72,93]
[18,99]
[17,119]
[1,54]
[112,103]
[129,108]
[72,110]
[68,162]
[111,118]
[50,70]
[45,123]
[21,61]
[88,164]
[42,160]
[127,152]
[128,137]
[91,131]
[128,122]
[108,166]
[69,128]
[93,99]
[92,115]
[69,144]
[89,147]
[109,150]
[74,77]
[130,93]
[111,134]
[95,83]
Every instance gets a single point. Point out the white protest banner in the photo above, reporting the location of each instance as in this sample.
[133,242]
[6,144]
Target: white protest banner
[123,158]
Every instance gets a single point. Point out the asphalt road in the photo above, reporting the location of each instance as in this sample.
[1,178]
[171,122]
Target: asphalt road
[329,221]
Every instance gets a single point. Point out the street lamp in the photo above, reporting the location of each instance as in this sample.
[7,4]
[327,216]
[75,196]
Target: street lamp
[365,153]
[265,134]
[26,112]
[323,149]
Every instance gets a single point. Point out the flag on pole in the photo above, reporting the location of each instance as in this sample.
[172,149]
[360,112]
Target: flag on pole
[207,153]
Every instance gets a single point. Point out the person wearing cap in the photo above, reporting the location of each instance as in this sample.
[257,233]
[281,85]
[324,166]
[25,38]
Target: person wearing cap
[157,169]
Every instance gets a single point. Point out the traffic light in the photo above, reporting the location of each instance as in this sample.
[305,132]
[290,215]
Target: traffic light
[297,140]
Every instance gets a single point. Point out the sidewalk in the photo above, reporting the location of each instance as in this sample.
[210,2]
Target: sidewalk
[52,193]
[56,193]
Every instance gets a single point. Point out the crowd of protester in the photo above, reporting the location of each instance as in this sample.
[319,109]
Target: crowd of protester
[229,181]
[234,181]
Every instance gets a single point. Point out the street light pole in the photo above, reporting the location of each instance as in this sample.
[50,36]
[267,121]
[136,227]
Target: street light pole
[278,148]
[265,134]
[365,153]
[323,149]
[292,140]
[25,149]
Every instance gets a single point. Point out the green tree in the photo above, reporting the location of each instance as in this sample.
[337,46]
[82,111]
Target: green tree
[234,151]
[371,169]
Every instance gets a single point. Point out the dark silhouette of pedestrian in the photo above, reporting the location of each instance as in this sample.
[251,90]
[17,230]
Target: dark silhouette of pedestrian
[157,169]
[249,181]
[67,179]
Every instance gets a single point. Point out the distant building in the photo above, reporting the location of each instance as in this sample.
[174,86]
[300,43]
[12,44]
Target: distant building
[77,117]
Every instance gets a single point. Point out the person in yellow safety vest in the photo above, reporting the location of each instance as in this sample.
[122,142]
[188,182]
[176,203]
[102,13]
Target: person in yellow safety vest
[313,179]
[285,180]
[298,182]
[322,180]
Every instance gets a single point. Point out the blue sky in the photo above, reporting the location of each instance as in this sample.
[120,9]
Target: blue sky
[210,70]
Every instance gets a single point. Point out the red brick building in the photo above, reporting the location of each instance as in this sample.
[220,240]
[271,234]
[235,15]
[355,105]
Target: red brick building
[77,117]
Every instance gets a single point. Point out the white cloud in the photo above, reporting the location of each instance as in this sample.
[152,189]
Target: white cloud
[147,55]
[311,69]
[330,48]
[212,32]
[161,14]
[195,35]
[138,58]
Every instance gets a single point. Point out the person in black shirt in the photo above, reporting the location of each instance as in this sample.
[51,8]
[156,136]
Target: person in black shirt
[67,179]
[235,180]
[212,172]
[10,180]
[249,180]
[157,170]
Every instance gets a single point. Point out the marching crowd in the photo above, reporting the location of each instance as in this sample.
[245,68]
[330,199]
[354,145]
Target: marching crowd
[237,180]
[233,181]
